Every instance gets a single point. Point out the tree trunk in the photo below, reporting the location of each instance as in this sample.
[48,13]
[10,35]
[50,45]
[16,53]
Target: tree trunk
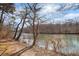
[17,38]
[1,20]
[16,30]
[34,34]
[37,32]
[46,45]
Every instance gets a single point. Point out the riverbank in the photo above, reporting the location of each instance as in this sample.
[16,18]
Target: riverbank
[8,47]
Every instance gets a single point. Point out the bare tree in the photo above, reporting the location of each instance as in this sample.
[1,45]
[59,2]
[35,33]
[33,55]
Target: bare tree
[23,20]
[35,21]
[16,30]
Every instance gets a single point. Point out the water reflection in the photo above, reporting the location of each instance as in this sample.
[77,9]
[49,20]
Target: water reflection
[72,42]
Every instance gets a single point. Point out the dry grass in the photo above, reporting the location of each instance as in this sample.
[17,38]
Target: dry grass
[5,32]
[35,51]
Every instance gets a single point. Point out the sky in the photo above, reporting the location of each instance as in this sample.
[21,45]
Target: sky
[57,12]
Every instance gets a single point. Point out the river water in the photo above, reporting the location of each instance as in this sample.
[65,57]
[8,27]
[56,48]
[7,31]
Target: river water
[71,40]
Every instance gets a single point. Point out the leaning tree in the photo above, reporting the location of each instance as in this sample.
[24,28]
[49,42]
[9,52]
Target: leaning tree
[5,8]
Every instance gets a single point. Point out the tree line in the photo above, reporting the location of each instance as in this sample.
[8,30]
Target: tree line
[65,28]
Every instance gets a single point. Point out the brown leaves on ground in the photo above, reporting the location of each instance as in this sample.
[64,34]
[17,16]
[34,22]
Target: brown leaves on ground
[10,46]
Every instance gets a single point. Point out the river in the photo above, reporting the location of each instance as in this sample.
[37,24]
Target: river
[72,41]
